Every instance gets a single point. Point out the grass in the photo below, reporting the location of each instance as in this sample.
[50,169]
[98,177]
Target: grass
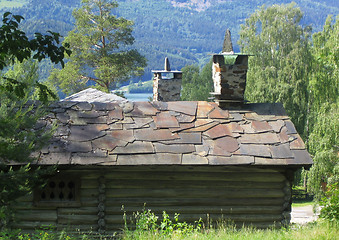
[12,4]
[302,203]
[317,230]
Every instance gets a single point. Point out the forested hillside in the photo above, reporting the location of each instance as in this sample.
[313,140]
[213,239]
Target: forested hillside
[183,30]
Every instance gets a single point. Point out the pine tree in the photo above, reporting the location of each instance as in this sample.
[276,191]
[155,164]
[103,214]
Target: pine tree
[101,46]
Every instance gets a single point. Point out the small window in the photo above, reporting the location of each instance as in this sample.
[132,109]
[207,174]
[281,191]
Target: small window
[59,191]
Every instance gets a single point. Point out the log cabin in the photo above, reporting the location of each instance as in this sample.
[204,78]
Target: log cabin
[221,160]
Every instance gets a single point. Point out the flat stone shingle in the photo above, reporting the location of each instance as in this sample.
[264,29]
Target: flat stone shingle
[174,148]
[124,135]
[204,108]
[281,151]
[108,143]
[183,126]
[191,159]
[230,144]
[290,127]
[277,125]
[233,160]
[203,128]
[141,122]
[89,114]
[270,161]
[134,148]
[260,138]
[95,153]
[297,143]
[154,135]
[80,160]
[85,133]
[149,159]
[63,158]
[236,116]
[165,120]
[202,122]
[146,108]
[184,118]
[219,114]
[78,147]
[235,127]
[301,157]
[55,147]
[254,150]
[186,138]
[189,108]
[115,114]
[261,126]
[218,151]
[220,130]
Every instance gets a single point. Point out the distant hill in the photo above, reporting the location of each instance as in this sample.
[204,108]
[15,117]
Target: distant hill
[183,30]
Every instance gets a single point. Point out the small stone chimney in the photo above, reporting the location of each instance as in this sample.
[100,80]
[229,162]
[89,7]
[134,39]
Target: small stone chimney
[166,84]
[229,79]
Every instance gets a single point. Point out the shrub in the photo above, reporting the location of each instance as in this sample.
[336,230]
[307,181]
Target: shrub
[330,203]
[148,221]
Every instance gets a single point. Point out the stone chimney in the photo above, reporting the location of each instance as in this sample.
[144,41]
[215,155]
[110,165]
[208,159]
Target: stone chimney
[166,84]
[229,79]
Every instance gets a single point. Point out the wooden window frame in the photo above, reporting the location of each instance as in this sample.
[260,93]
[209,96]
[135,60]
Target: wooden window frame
[60,182]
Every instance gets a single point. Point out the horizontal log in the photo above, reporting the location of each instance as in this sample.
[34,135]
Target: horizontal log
[89,201]
[203,176]
[157,201]
[36,215]
[110,210]
[31,225]
[165,168]
[89,193]
[249,218]
[77,229]
[78,211]
[195,168]
[129,183]
[77,219]
[89,183]
[246,218]
[190,193]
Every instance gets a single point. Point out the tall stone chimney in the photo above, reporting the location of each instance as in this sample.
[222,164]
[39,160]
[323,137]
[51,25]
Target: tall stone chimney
[166,84]
[229,79]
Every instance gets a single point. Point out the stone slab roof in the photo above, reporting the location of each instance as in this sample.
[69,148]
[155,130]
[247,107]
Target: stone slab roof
[172,133]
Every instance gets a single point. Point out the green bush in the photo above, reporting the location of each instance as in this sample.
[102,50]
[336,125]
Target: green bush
[330,203]
[147,221]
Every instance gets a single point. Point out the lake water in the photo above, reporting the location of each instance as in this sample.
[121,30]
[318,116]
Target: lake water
[138,97]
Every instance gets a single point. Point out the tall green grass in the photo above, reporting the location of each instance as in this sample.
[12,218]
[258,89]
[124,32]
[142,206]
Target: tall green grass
[318,230]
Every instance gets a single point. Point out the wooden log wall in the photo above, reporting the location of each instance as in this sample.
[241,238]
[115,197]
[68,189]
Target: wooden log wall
[245,195]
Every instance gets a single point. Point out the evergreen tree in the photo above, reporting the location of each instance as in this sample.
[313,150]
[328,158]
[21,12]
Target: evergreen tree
[101,50]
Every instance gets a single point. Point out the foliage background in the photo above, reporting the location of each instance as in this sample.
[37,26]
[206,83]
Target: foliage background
[162,29]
